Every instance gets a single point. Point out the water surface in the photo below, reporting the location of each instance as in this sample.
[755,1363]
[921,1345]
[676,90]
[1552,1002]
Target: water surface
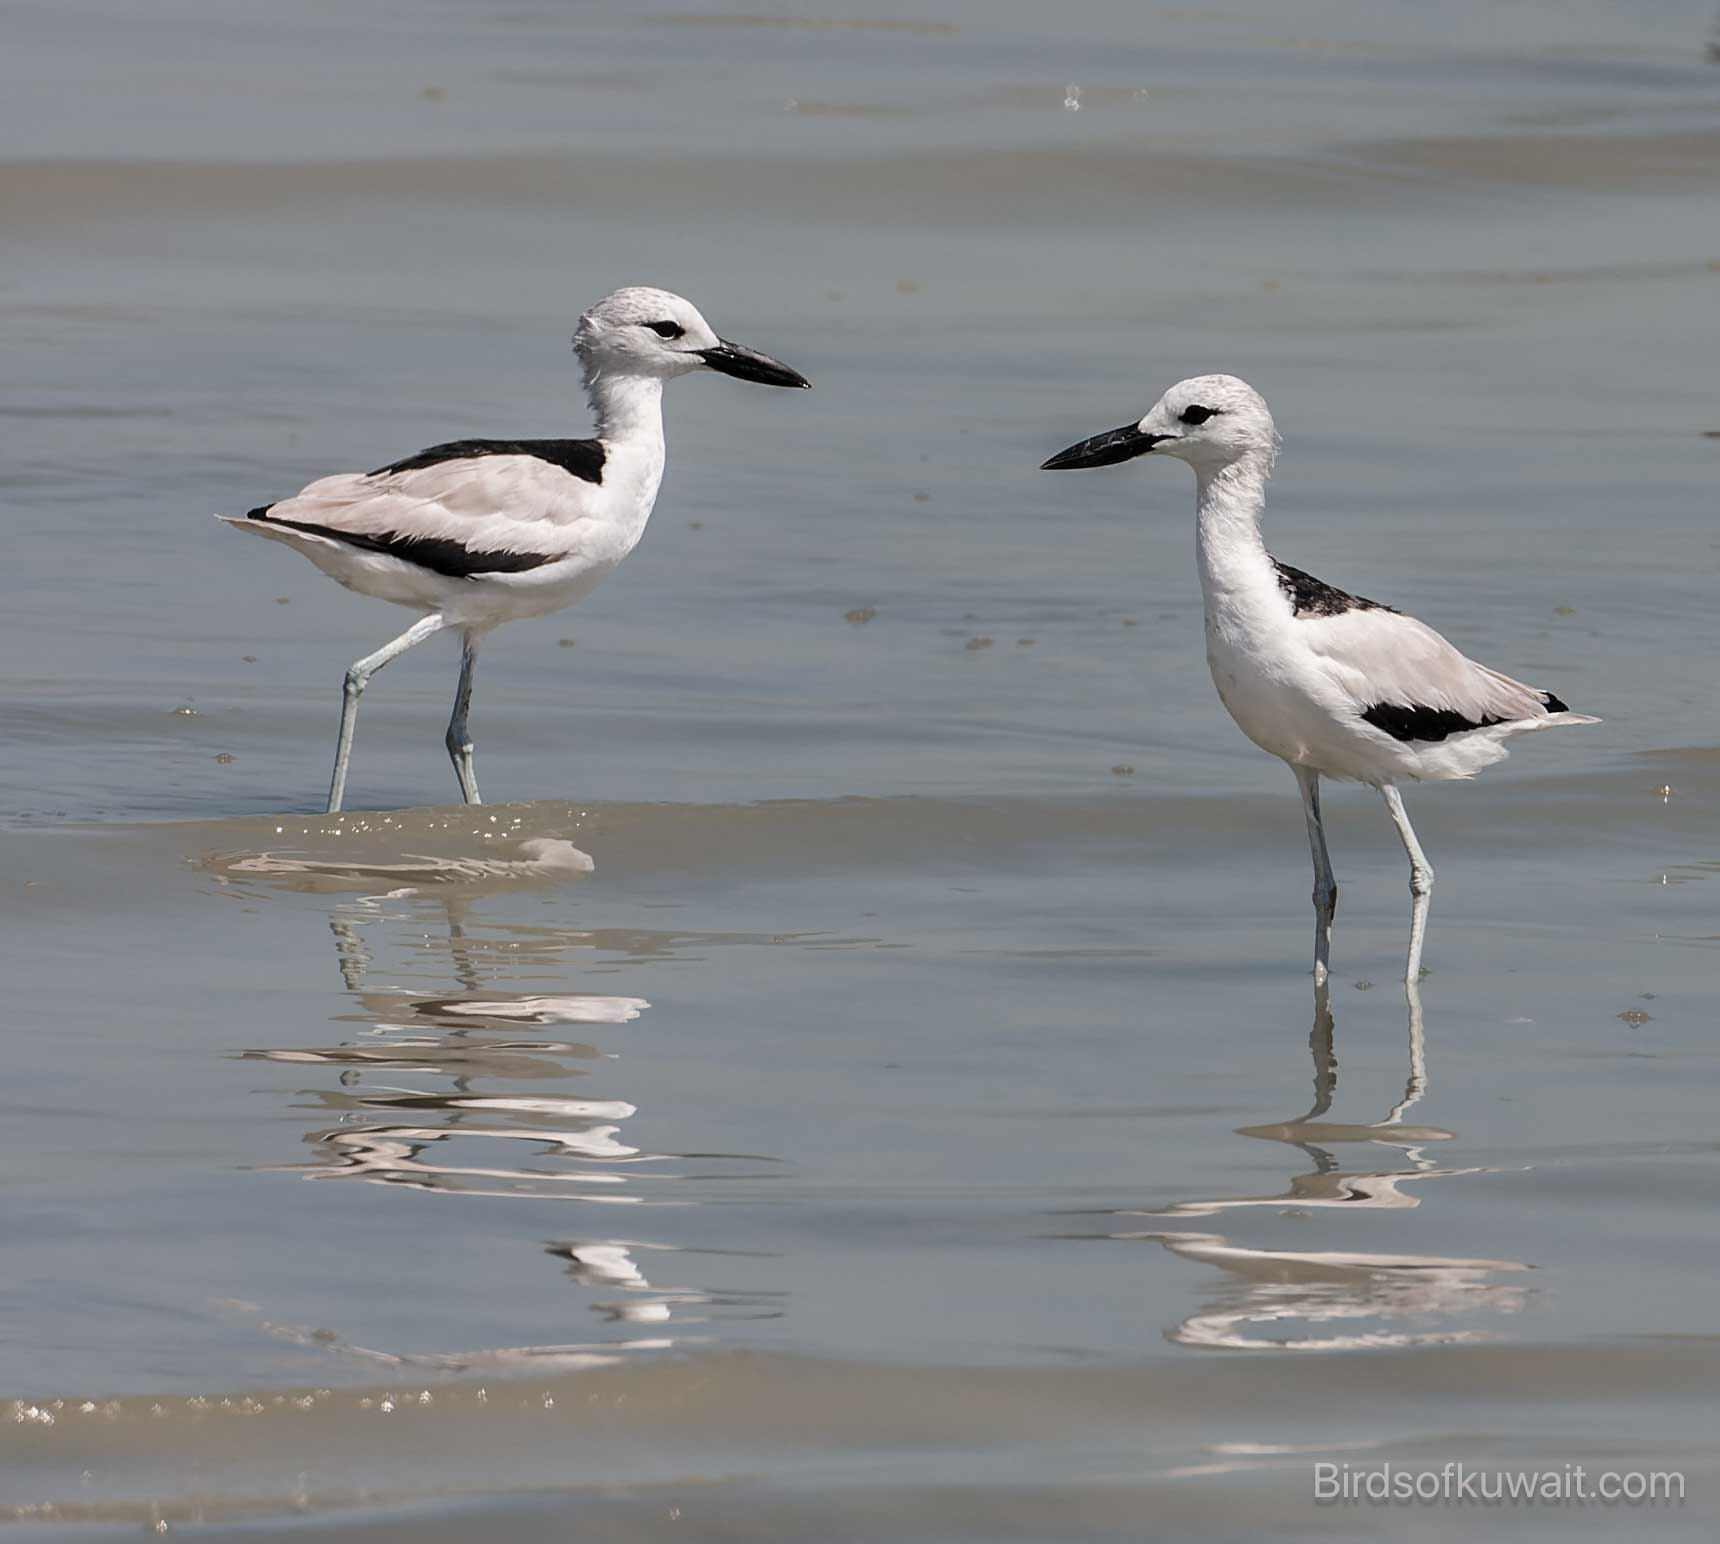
[864,1081]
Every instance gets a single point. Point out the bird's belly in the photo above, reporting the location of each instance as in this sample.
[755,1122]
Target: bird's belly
[480,600]
[377,574]
[1282,702]
[534,593]
[1269,705]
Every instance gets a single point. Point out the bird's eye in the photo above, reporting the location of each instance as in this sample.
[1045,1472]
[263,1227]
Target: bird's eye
[667,329]
[1197,414]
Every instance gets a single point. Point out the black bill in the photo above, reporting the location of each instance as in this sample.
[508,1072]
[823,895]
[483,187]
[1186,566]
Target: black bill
[747,364]
[1106,449]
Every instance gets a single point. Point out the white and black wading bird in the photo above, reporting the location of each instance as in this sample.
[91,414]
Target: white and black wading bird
[475,533]
[1333,684]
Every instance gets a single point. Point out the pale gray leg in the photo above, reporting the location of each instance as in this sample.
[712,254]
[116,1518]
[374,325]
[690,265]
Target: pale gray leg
[1416,1084]
[357,678]
[1325,886]
[458,740]
[1420,885]
[351,954]
[1325,1053]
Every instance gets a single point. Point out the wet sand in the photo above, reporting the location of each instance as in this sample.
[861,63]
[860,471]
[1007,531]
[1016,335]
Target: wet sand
[863,1080]
[610,1449]
[1103,186]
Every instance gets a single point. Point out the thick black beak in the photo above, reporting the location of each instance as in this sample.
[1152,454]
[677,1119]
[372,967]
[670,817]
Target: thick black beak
[1106,449]
[746,364]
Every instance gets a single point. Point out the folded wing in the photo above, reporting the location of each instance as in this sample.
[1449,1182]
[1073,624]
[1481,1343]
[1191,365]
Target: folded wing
[475,510]
[1399,675]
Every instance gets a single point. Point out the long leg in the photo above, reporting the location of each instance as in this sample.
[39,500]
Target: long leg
[458,740]
[1415,1086]
[1420,884]
[1325,886]
[357,678]
[1320,1043]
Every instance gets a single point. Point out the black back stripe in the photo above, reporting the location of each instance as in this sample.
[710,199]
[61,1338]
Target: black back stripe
[1552,703]
[1412,723]
[579,458]
[439,554]
[1310,597]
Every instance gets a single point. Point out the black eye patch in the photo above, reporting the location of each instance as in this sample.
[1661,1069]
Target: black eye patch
[1198,415]
[667,329]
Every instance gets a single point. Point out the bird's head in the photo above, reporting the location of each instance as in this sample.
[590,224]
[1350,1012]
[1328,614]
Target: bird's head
[654,334]
[1209,421]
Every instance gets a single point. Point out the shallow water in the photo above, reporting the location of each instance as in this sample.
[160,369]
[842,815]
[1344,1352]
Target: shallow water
[869,1085]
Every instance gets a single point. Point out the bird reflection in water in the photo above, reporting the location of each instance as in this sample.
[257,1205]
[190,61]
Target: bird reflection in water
[471,1040]
[466,1091]
[609,1266]
[1337,1300]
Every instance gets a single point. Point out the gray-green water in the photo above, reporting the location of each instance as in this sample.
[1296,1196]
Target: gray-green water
[910,1126]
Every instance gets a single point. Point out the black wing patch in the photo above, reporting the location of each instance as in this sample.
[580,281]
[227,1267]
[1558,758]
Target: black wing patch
[1436,724]
[1433,724]
[579,458]
[439,554]
[1310,597]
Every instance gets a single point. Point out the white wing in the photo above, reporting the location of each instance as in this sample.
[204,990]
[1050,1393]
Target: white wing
[1377,657]
[498,504]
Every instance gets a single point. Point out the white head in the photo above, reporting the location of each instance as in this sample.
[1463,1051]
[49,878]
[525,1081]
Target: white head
[650,333]
[1210,421]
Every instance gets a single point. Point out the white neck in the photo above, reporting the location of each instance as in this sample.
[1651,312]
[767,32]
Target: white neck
[629,408]
[629,411]
[1230,500]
